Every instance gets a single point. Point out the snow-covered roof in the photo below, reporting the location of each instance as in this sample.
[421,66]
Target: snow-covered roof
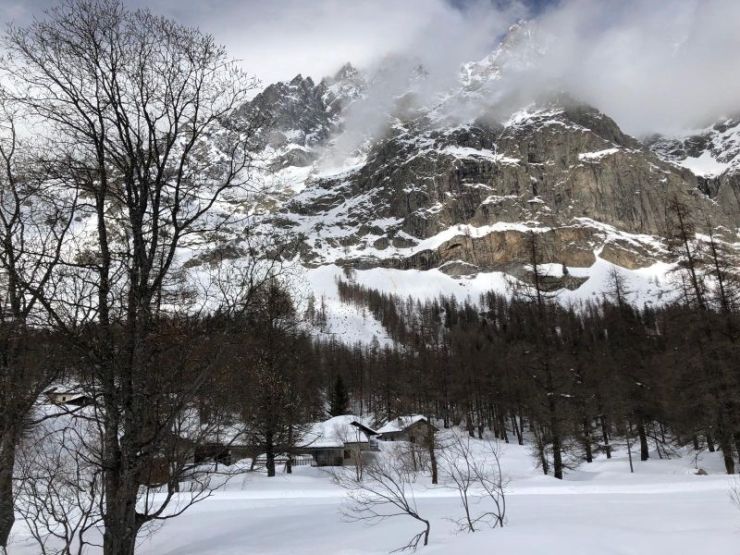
[335,432]
[401,423]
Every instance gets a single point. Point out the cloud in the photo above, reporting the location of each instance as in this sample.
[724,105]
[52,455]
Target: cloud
[651,65]
[277,40]
[426,62]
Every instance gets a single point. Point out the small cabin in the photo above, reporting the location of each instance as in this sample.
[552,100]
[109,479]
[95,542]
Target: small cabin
[338,441]
[226,445]
[226,453]
[414,429]
[61,397]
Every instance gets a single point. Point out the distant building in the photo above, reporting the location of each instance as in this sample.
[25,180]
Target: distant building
[226,453]
[226,445]
[56,396]
[338,441]
[413,428]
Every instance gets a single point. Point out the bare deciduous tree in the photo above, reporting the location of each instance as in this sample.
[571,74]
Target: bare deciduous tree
[490,478]
[386,491]
[36,214]
[58,488]
[477,478]
[457,465]
[138,104]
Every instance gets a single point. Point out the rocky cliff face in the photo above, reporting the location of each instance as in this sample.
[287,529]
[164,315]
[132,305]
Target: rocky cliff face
[425,196]
[713,154]
[445,186]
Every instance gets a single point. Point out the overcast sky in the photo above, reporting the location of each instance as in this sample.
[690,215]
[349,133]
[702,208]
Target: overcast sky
[650,64]
[279,38]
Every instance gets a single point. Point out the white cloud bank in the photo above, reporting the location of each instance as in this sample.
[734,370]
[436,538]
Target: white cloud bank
[653,65]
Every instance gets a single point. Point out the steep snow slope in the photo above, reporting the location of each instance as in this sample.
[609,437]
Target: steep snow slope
[346,323]
[652,284]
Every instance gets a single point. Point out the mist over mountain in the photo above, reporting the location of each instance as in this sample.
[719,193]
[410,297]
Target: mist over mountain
[654,67]
[394,167]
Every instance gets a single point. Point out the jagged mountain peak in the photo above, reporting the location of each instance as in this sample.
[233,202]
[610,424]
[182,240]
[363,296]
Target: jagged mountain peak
[368,169]
[344,87]
[347,72]
[519,50]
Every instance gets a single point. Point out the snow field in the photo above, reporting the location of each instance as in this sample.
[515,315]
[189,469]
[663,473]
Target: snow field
[663,508]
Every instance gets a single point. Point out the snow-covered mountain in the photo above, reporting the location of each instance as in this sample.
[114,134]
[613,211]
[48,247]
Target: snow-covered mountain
[382,173]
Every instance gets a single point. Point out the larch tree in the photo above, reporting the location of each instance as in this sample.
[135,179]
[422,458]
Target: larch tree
[338,398]
[544,338]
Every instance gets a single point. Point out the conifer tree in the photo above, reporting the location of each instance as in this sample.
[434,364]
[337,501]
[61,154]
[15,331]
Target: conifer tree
[339,401]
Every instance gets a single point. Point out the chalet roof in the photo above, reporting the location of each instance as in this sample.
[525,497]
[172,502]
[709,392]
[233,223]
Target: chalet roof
[59,390]
[401,423]
[337,431]
[69,394]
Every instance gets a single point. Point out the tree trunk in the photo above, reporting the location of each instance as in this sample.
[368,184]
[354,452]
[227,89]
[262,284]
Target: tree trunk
[557,455]
[289,461]
[737,443]
[587,440]
[517,431]
[725,445]
[658,449]
[605,437]
[501,417]
[629,446]
[7,514]
[494,426]
[432,453]
[644,448]
[121,525]
[269,455]
[710,441]
[540,442]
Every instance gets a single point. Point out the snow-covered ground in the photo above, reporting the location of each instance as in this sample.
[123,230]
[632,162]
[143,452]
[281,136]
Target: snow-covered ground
[663,508]
[600,508]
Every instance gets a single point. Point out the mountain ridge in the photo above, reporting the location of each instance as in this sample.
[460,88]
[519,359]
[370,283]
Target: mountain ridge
[458,180]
